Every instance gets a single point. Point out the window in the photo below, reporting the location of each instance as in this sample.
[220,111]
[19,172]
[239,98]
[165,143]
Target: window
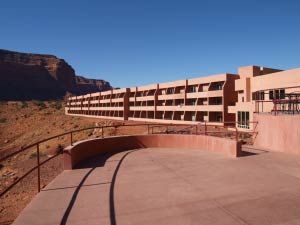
[192,101]
[277,94]
[215,101]
[243,119]
[170,91]
[215,86]
[282,94]
[259,95]
[194,117]
[192,89]
[218,101]
[219,86]
[271,94]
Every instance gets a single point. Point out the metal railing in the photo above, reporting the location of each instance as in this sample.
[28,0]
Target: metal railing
[188,129]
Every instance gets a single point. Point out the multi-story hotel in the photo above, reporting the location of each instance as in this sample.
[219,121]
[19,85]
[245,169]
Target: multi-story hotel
[193,100]
[265,90]
[214,99]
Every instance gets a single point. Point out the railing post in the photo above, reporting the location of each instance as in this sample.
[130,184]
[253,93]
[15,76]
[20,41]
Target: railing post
[205,128]
[71,138]
[38,166]
[236,134]
[148,129]
[196,129]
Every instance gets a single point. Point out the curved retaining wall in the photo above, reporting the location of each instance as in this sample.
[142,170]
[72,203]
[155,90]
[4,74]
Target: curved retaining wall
[85,149]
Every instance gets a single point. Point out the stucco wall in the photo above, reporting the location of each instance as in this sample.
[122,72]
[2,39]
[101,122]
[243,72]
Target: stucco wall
[284,79]
[278,133]
[88,148]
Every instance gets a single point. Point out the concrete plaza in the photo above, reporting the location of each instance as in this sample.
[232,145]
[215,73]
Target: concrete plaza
[172,186]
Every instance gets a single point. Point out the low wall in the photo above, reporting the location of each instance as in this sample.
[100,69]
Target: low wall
[278,133]
[85,149]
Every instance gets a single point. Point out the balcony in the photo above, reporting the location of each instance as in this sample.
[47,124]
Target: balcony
[169,108]
[145,98]
[217,93]
[94,101]
[118,100]
[105,101]
[108,108]
[142,108]
[197,95]
[191,108]
[171,96]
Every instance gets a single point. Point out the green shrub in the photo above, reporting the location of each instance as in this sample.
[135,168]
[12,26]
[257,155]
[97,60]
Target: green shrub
[34,155]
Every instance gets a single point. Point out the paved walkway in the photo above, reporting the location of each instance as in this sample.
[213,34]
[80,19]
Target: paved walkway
[170,187]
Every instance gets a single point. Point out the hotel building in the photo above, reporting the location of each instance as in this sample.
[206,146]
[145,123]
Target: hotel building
[217,99]
[259,88]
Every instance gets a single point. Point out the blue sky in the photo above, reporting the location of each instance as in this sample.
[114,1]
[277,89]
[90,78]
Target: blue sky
[132,43]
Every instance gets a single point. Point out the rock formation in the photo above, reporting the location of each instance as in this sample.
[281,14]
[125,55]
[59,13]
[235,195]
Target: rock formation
[26,76]
[86,85]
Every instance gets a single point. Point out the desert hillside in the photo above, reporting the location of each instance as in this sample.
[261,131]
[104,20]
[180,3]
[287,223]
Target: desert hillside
[24,122]
[26,76]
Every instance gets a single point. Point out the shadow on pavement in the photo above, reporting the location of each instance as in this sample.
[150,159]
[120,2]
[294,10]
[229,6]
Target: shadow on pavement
[93,163]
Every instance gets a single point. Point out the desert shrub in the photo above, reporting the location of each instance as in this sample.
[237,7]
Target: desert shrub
[3,120]
[89,133]
[39,104]
[47,113]
[56,105]
[89,125]
[59,148]
[24,105]
[34,155]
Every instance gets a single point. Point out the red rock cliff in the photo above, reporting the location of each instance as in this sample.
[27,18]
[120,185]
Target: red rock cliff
[36,76]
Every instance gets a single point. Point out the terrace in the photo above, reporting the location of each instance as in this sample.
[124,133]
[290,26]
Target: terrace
[168,174]
[171,186]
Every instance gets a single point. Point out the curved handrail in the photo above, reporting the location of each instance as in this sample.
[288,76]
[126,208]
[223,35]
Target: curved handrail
[60,135]
[71,142]
[37,144]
